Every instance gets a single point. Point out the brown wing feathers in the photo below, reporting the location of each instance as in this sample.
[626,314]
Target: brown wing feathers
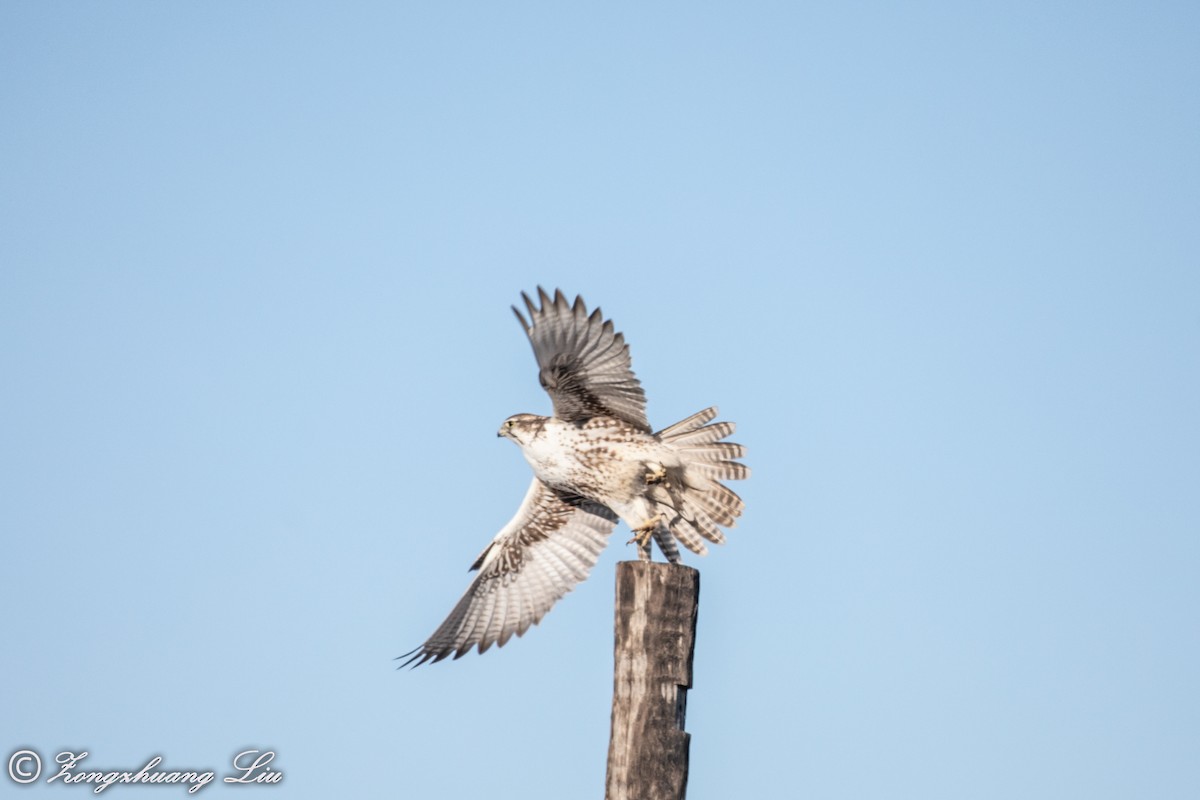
[583,363]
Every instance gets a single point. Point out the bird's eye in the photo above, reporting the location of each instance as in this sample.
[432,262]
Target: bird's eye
[508,423]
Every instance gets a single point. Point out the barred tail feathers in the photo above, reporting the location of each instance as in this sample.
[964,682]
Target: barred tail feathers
[694,501]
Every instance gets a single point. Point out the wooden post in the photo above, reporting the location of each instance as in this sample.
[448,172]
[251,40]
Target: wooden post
[652,671]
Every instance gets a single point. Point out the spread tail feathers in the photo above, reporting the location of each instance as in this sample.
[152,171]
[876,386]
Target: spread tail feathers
[694,502]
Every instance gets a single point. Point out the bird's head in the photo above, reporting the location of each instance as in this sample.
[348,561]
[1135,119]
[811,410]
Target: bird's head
[522,428]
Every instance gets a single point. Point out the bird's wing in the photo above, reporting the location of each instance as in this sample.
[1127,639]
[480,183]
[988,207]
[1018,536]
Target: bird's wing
[583,364]
[548,547]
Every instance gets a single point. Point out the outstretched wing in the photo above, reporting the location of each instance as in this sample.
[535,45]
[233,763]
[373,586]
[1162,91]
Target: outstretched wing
[548,547]
[584,365]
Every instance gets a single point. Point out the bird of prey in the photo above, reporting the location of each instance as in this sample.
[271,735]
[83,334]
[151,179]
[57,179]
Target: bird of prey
[594,461]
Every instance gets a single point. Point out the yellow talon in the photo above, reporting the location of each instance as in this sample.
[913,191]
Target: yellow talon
[656,473]
[642,533]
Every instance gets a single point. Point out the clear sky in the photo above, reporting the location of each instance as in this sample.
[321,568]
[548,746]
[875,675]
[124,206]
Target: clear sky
[939,261]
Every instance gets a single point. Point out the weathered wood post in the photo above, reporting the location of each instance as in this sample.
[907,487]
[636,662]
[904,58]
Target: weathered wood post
[652,671]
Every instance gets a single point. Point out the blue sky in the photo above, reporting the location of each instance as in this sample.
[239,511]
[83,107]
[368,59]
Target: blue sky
[940,262]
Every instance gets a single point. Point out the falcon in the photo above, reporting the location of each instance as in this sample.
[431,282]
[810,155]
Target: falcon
[595,460]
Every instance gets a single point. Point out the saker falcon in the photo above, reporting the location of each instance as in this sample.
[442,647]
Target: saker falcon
[594,461]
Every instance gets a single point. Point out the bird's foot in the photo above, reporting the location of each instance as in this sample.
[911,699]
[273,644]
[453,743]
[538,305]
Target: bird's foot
[642,534]
[656,473]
